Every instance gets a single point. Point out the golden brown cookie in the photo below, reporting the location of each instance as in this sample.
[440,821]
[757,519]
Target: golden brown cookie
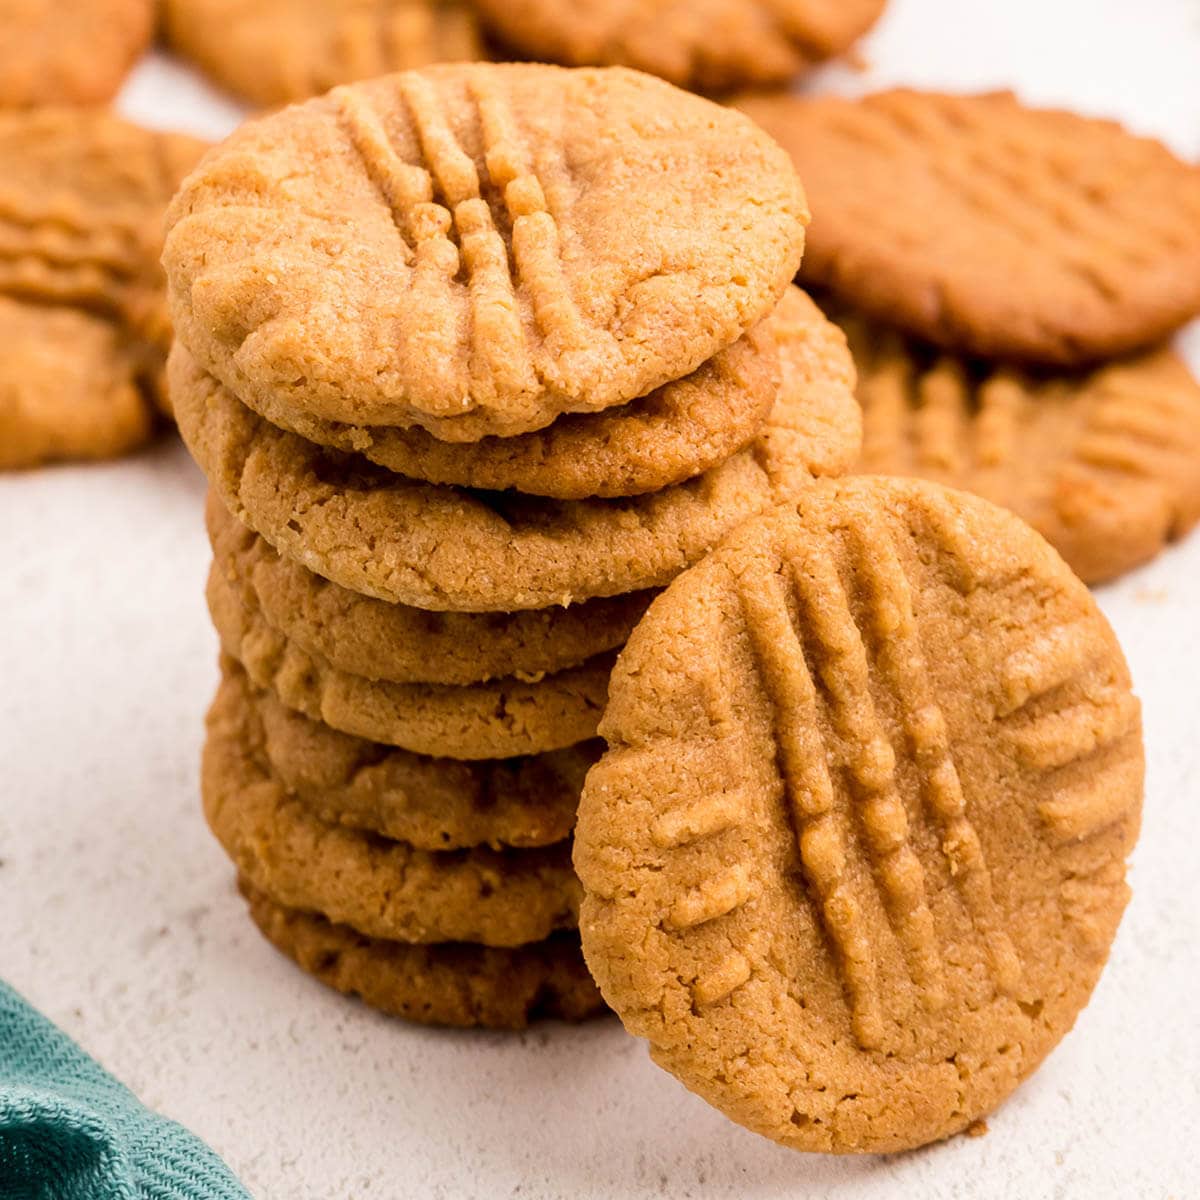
[477,249]
[444,548]
[69,51]
[382,888]
[430,803]
[681,429]
[276,51]
[69,387]
[367,637]
[991,228]
[498,719]
[1105,465]
[706,44]
[454,983]
[82,195]
[856,854]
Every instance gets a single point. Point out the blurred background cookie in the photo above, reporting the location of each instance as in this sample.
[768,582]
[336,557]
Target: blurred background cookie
[274,51]
[69,51]
[993,228]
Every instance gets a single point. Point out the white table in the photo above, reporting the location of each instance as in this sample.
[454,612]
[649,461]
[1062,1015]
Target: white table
[118,916]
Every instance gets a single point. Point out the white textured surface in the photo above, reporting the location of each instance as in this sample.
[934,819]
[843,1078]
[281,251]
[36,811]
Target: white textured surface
[118,916]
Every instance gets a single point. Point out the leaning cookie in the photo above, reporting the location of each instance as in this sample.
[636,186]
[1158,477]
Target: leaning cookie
[991,228]
[855,857]
[1104,464]
[451,983]
[382,888]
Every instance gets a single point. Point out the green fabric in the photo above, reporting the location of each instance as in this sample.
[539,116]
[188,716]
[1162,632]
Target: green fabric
[69,1131]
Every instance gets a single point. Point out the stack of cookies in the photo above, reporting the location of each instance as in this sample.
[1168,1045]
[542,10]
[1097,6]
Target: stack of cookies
[476,359]
[1009,277]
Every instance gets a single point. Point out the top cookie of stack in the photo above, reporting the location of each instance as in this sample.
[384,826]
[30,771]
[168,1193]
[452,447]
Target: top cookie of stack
[494,277]
[480,355]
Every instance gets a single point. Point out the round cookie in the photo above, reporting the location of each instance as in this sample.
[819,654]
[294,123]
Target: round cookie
[276,51]
[456,984]
[991,228]
[499,719]
[443,548]
[1105,465]
[382,888]
[430,803]
[711,45]
[477,249]
[367,637]
[82,196]
[68,387]
[856,854]
[681,429]
[70,51]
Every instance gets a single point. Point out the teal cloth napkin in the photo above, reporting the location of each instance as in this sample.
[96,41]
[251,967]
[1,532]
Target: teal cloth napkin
[70,1131]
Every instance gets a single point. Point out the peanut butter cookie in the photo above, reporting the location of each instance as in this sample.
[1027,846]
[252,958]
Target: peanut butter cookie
[478,249]
[453,983]
[69,51]
[498,719]
[82,195]
[1105,464]
[367,637]
[276,51]
[680,430]
[992,228]
[444,548]
[430,803]
[69,387]
[711,45]
[856,854]
[382,888]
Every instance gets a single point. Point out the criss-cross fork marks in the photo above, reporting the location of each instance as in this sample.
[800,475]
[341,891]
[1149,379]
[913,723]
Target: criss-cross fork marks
[936,420]
[1012,175]
[820,673]
[449,229]
[1142,423]
[1056,739]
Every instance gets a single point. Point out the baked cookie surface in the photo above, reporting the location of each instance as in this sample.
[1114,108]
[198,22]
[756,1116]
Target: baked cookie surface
[383,888]
[497,719]
[856,854]
[1104,464]
[678,431]
[277,51]
[82,196]
[69,51]
[478,249]
[430,803]
[451,549]
[711,45]
[991,228]
[363,636]
[454,983]
[70,387]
